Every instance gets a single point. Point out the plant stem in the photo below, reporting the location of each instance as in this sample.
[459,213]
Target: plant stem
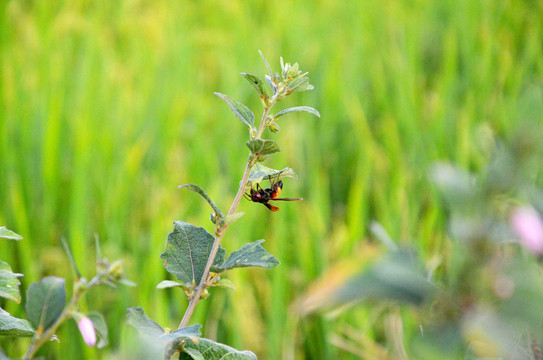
[220,232]
[42,338]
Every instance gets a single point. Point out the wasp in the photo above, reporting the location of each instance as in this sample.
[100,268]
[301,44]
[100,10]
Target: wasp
[263,196]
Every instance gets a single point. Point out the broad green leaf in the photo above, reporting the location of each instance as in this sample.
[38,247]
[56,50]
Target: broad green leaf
[12,326]
[213,351]
[241,111]
[165,284]
[137,318]
[231,218]
[9,284]
[187,252]
[8,234]
[298,108]
[252,254]
[265,62]
[260,172]
[199,190]
[226,283]
[100,328]
[45,301]
[262,146]
[258,85]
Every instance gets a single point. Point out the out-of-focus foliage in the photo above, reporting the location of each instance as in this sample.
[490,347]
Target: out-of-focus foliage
[103,105]
[487,299]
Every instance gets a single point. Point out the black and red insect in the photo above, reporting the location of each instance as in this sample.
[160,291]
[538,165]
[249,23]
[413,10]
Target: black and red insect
[263,196]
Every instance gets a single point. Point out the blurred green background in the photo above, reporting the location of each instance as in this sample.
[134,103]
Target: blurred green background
[107,106]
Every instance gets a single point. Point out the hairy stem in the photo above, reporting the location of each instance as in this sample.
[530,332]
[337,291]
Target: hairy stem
[220,232]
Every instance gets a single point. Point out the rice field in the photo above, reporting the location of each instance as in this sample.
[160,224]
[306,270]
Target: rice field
[107,106]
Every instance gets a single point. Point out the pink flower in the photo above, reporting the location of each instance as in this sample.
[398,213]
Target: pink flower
[87,330]
[528,225]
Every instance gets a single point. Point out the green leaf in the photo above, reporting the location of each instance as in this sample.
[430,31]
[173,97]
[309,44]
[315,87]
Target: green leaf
[166,284]
[299,84]
[100,328]
[213,351]
[226,283]
[258,85]
[199,190]
[192,332]
[260,172]
[8,234]
[252,254]
[12,326]
[265,62]
[270,83]
[231,218]
[298,108]
[241,111]
[9,284]
[187,252]
[262,146]
[45,301]
[147,327]
[137,318]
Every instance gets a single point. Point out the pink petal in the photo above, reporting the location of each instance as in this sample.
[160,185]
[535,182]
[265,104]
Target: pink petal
[87,330]
[528,225]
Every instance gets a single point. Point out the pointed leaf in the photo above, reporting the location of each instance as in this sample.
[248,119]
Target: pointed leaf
[199,190]
[265,62]
[137,318]
[299,84]
[241,111]
[213,351]
[100,328]
[298,108]
[12,326]
[260,172]
[262,146]
[226,283]
[231,218]
[258,85]
[252,254]
[9,284]
[187,252]
[8,234]
[270,83]
[166,284]
[45,301]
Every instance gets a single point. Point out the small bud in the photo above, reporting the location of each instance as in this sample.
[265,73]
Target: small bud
[274,128]
[213,218]
[253,133]
[116,270]
[261,158]
[205,294]
[87,330]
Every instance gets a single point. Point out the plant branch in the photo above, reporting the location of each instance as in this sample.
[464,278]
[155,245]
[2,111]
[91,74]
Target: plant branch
[45,336]
[80,287]
[219,233]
